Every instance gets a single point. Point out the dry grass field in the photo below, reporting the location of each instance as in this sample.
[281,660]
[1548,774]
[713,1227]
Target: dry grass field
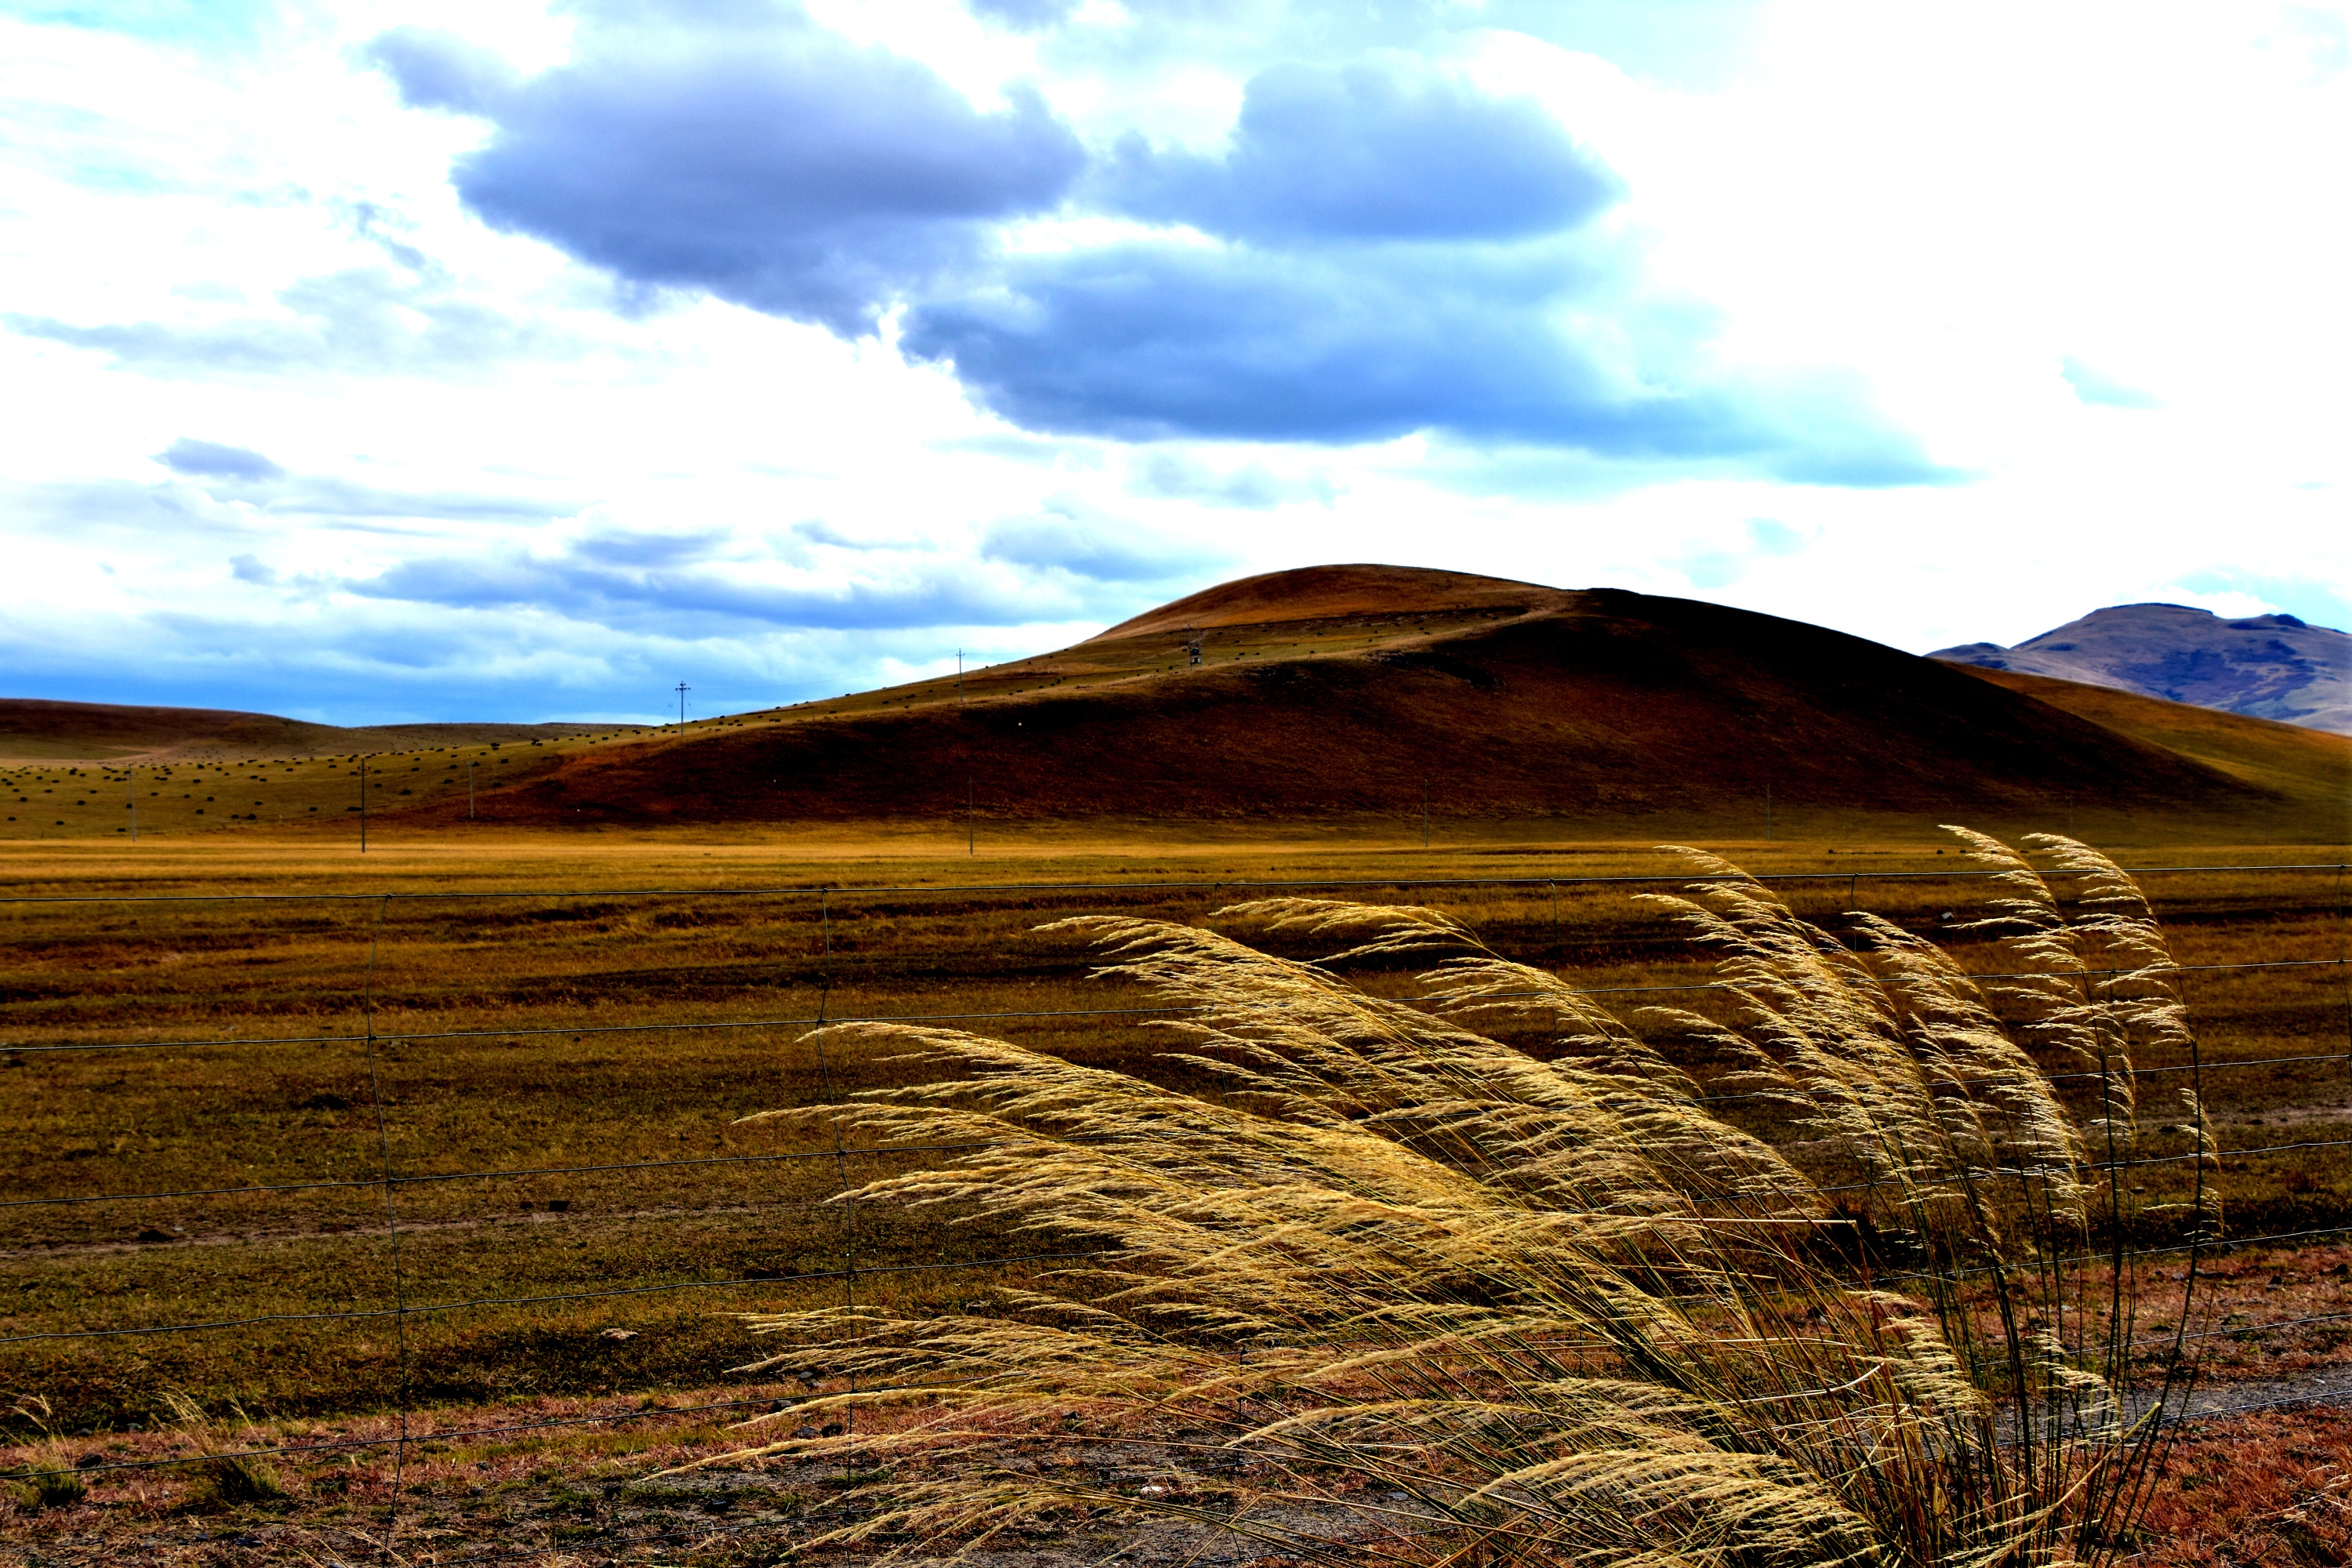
[216,1048]
[403,1206]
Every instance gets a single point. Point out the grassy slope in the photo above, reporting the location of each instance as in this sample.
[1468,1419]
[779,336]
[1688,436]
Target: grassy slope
[36,730]
[2310,767]
[1581,708]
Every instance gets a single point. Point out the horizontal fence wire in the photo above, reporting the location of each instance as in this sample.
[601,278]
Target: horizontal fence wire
[581,1031]
[503,1173]
[2104,1168]
[496,1173]
[612,1293]
[852,889]
[776,1405]
[780,1406]
[344,1444]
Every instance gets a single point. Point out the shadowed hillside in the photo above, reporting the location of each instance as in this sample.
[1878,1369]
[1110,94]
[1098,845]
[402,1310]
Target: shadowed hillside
[2298,764]
[1347,693]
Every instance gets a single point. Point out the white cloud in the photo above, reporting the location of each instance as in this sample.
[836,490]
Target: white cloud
[2091,257]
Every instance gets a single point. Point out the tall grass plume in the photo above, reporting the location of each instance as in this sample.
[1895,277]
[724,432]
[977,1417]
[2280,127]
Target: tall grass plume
[1403,1293]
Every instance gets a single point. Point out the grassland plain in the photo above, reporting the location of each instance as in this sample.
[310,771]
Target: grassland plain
[585,1020]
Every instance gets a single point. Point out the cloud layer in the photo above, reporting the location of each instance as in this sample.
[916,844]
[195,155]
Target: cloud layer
[1379,247]
[791,172]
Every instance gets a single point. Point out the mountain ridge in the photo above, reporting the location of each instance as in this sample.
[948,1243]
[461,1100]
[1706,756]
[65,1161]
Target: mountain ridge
[2265,666]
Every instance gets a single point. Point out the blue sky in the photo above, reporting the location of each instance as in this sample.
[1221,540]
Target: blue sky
[521,358]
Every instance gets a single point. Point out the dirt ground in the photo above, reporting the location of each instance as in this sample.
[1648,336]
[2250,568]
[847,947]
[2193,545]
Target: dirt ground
[2259,1473]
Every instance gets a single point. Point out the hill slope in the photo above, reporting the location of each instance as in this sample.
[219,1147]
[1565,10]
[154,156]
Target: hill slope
[32,729]
[2294,762]
[1354,692]
[2268,667]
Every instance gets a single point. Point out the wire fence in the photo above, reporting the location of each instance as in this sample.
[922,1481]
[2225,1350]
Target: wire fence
[902,956]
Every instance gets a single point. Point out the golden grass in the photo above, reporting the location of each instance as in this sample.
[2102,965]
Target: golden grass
[1490,1306]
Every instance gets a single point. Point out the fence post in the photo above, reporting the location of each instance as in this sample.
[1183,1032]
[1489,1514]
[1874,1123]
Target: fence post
[840,1155]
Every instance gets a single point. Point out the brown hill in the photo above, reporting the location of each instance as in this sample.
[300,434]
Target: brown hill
[1358,693]
[1329,592]
[32,729]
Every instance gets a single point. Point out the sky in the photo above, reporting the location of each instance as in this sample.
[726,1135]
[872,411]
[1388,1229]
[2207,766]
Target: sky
[521,359]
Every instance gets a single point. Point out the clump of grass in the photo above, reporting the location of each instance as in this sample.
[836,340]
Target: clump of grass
[1424,1297]
[51,1480]
[221,1477]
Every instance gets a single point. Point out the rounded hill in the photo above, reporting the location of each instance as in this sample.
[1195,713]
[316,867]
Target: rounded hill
[1323,592]
[1367,692]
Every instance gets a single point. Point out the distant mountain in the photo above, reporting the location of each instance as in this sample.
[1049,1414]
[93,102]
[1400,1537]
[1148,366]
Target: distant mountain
[2269,666]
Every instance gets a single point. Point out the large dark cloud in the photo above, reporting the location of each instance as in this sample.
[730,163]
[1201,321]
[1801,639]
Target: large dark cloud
[1150,341]
[438,70]
[1155,340]
[782,168]
[1369,151]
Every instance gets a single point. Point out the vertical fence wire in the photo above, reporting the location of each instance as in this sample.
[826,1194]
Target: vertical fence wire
[390,1218]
